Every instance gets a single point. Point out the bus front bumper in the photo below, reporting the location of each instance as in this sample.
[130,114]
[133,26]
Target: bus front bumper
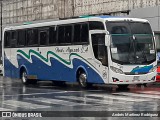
[116,78]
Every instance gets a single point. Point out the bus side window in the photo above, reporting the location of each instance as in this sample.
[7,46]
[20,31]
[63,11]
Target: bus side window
[96,25]
[61,37]
[32,38]
[84,33]
[7,39]
[52,35]
[68,34]
[21,38]
[81,33]
[43,36]
[13,39]
[77,35]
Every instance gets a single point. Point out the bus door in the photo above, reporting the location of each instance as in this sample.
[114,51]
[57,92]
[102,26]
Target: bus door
[98,40]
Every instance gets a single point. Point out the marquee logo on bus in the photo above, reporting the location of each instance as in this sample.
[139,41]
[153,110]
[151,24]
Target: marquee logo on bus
[84,49]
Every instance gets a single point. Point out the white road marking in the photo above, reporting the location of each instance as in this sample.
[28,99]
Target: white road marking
[25,105]
[94,100]
[138,95]
[150,92]
[4,109]
[123,98]
[44,93]
[55,101]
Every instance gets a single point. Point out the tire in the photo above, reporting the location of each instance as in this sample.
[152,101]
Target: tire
[24,79]
[82,80]
[123,87]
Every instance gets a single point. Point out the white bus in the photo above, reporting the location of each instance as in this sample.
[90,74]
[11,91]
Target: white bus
[90,50]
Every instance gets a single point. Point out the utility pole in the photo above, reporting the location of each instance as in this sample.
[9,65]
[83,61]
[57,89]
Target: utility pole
[1,32]
[1,19]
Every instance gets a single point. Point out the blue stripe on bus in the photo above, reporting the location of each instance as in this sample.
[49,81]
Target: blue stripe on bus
[57,70]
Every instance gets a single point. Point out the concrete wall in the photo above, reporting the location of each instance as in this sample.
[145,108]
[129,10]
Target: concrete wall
[18,11]
[150,13]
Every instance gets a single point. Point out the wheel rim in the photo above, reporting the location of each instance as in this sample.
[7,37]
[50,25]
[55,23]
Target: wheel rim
[83,80]
[24,77]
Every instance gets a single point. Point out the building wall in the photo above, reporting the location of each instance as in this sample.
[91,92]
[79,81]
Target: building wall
[18,11]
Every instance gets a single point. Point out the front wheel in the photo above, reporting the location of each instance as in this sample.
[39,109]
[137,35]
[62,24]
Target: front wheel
[82,79]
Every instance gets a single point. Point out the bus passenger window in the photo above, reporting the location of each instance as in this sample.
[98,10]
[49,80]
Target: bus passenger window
[13,38]
[7,39]
[77,35]
[84,33]
[43,37]
[52,35]
[32,37]
[68,34]
[21,37]
[96,25]
[61,38]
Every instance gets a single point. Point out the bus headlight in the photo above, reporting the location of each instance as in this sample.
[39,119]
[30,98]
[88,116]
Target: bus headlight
[153,69]
[114,69]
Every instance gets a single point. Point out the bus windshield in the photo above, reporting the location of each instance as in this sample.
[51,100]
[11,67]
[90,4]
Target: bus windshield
[131,42]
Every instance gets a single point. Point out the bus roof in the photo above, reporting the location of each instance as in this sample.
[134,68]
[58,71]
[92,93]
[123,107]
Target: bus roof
[101,18]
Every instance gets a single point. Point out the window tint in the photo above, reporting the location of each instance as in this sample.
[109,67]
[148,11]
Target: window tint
[77,33]
[32,37]
[21,37]
[43,36]
[68,34]
[13,35]
[7,36]
[84,33]
[13,38]
[81,33]
[53,35]
[61,38]
[95,25]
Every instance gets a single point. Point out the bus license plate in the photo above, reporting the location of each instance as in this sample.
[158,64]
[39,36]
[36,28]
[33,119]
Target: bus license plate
[136,78]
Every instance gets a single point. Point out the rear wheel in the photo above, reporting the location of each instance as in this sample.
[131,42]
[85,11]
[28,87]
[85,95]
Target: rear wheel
[25,80]
[24,77]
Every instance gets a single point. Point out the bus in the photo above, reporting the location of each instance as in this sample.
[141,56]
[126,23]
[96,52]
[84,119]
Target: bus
[87,50]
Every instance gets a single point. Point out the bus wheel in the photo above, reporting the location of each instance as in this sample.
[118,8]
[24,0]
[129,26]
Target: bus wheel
[123,87]
[82,79]
[24,77]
